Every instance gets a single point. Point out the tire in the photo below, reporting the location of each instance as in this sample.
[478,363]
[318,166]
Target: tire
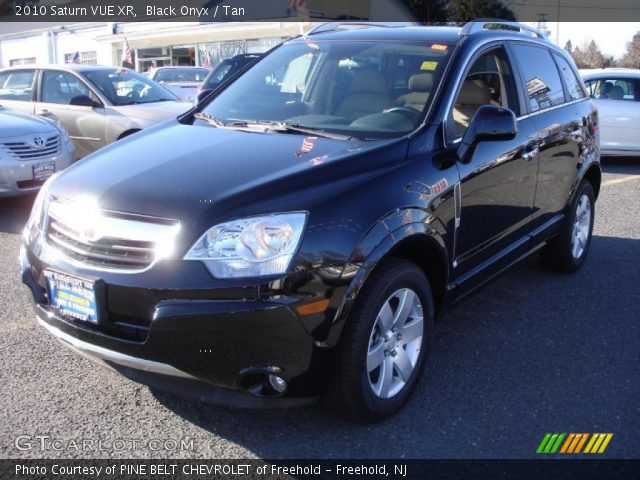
[567,252]
[360,390]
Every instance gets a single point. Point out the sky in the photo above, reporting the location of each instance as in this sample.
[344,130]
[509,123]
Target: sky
[611,37]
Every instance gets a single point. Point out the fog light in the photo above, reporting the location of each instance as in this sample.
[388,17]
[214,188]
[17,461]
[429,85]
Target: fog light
[279,384]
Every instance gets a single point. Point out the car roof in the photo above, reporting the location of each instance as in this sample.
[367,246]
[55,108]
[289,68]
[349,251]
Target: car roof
[374,33]
[608,72]
[71,67]
[481,31]
[178,66]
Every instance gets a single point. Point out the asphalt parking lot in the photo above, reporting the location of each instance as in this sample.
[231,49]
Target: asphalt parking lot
[531,353]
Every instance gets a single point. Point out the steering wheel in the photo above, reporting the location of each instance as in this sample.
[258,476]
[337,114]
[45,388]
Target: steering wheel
[410,113]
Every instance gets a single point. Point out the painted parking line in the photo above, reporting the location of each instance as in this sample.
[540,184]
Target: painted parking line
[629,178]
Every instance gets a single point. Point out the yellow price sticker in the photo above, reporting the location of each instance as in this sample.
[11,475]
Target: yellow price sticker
[430,66]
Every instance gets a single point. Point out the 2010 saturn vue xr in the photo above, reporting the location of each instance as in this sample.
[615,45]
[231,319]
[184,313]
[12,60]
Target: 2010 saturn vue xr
[297,234]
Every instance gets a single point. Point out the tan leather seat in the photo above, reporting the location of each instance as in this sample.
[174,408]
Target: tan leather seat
[616,93]
[420,87]
[366,96]
[474,93]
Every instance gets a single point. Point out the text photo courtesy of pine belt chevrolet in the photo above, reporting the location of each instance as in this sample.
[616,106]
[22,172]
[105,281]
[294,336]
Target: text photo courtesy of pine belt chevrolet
[297,234]
[97,105]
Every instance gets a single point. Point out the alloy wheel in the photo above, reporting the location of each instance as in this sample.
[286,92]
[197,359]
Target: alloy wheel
[581,227]
[395,343]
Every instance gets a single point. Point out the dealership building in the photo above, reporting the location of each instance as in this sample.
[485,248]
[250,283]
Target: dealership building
[170,43]
[153,44]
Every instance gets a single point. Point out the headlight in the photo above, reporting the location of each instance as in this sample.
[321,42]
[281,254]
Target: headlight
[37,210]
[64,133]
[250,247]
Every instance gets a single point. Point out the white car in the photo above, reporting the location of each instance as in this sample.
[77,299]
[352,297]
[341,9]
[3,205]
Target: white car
[31,150]
[616,93]
[182,81]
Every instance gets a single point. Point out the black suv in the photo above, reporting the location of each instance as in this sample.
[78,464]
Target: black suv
[297,234]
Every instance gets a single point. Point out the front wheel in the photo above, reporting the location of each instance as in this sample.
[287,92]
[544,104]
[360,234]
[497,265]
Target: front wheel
[385,344]
[568,251]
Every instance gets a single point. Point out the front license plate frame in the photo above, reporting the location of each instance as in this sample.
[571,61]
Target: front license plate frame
[42,171]
[73,296]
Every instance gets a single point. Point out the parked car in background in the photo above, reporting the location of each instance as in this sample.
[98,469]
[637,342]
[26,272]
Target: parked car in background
[97,105]
[298,232]
[225,69]
[616,93]
[183,81]
[31,150]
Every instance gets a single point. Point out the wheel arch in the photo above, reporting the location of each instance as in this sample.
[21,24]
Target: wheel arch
[415,242]
[594,175]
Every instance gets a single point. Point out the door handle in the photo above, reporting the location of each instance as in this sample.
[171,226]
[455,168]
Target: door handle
[44,113]
[531,154]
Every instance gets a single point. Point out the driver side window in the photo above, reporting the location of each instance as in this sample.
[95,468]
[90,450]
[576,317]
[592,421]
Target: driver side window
[62,88]
[489,81]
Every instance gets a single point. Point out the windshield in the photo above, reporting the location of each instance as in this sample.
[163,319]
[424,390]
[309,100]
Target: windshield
[125,87]
[364,89]
[180,75]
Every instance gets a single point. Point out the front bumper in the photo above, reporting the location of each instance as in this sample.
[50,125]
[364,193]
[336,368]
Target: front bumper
[16,176]
[174,335]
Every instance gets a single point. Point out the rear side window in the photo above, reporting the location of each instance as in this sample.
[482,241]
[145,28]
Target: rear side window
[543,86]
[613,89]
[571,81]
[17,85]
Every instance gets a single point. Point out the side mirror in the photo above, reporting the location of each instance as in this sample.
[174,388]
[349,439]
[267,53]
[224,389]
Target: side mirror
[490,123]
[84,101]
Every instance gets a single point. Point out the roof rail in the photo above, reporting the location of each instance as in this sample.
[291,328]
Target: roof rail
[333,26]
[496,24]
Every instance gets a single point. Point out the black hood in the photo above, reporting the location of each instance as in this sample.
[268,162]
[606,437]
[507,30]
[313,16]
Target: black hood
[188,172]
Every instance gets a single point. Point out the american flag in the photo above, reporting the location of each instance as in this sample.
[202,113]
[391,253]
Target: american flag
[206,61]
[307,146]
[126,54]
[76,58]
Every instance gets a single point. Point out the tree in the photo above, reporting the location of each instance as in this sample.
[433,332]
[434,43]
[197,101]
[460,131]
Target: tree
[590,56]
[469,10]
[631,57]
[430,11]
[569,47]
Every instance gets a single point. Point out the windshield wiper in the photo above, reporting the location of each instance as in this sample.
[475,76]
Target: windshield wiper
[205,117]
[287,127]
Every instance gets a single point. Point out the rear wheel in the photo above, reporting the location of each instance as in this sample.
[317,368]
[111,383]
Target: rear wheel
[385,343]
[568,251]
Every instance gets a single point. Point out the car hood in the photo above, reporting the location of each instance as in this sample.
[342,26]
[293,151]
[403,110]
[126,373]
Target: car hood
[199,173]
[15,124]
[155,111]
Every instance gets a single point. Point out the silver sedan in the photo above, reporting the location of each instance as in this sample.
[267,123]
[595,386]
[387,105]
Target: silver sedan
[97,105]
[31,150]
[616,93]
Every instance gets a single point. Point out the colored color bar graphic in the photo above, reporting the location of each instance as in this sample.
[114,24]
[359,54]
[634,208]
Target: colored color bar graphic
[573,442]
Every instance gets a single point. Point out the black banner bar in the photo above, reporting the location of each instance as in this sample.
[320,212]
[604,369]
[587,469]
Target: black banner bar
[319,469]
[426,11]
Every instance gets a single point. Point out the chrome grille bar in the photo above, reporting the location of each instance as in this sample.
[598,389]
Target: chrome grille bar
[24,151]
[106,240]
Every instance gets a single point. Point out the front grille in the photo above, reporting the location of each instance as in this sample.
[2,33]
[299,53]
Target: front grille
[127,244]
[106,252]
[26,151]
